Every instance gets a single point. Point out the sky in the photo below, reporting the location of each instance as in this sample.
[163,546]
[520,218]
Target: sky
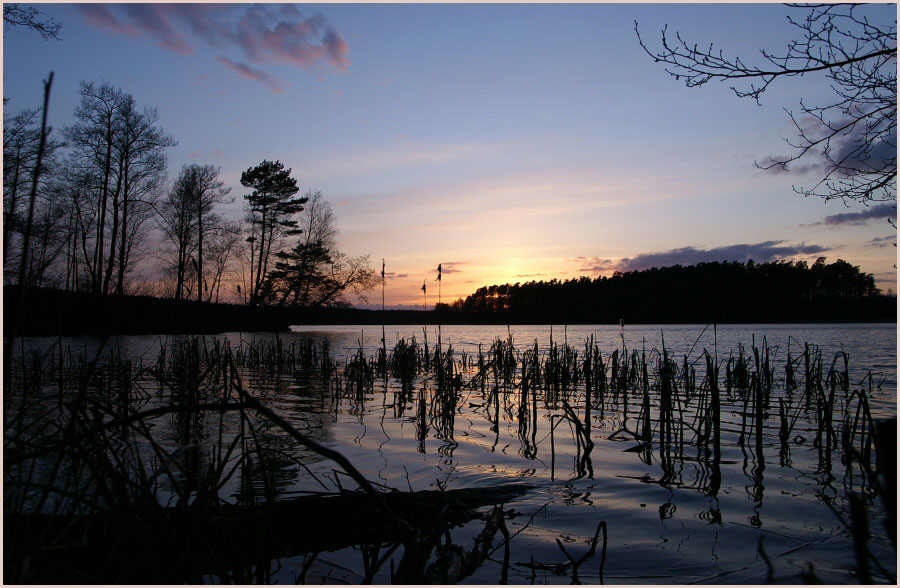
[506,142]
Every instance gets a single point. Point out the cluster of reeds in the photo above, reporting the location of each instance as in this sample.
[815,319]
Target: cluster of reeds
[406,360]
[445,395]
[303,358]
[503,361]
[359,373]
[94,453]
[120,473]
[683,407]
[92,435]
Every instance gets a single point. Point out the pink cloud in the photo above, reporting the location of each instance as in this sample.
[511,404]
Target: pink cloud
[195,154]
[253,74]
[449,267]
[263,33]
[595,264]
[99,15]
[337,49]
[155,20]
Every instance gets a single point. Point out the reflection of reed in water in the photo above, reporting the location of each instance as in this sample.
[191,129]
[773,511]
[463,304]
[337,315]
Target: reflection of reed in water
[678,424]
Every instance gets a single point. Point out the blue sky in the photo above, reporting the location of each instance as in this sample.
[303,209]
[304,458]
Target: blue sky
[508,142]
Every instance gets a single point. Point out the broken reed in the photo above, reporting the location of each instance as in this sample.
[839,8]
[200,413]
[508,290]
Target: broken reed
[672,410]
[96,461]
[654,386]
[92,444]
[99,444]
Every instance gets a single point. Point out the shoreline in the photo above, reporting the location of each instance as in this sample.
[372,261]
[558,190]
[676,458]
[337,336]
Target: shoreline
[48,312]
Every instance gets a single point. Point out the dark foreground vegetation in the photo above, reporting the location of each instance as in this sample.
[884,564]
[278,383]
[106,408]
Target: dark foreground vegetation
[227,539]
[98,493]
[119,472]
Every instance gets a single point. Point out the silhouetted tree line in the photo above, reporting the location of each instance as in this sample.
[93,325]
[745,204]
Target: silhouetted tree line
[722,292]
[50,312]
[105,219]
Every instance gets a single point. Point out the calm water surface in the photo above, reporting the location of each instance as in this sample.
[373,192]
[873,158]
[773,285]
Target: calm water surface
[667,521]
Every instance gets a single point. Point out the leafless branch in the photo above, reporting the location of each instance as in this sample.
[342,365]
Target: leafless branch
[852,138]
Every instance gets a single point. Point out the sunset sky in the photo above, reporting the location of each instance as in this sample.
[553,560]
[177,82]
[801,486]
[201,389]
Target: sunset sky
[506,142]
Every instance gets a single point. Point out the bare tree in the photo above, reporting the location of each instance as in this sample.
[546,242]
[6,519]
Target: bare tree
[31,17]
[298,270]
[347,274]
[187,220]
[118,163]
[313,272]
[92,139]
[223,242]
[852,138]
[176,221]
[21,145]
[141,173]
[81,185]
[210,191]
[48,237]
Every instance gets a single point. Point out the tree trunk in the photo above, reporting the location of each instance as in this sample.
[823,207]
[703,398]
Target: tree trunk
[9,217]
[200,248]
[114,235]
[257,283]
[101,226]
[120,282]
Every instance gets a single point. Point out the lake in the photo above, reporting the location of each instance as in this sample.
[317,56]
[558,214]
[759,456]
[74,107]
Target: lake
[776,489]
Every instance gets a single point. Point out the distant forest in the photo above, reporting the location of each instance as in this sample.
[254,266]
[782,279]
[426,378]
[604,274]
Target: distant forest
[710,292]
[722,292]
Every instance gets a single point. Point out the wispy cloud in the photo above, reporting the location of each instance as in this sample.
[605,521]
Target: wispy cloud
[253,74]
[217,153]
[156,20]
[100,16]
[364,163]
[758,252]
[880,212]
[262,33]
[881,242]
[450,267]
[595,264]
[793,168]
[520,198]
[861,149]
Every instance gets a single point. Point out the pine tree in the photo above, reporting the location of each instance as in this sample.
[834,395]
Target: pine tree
[272,206]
